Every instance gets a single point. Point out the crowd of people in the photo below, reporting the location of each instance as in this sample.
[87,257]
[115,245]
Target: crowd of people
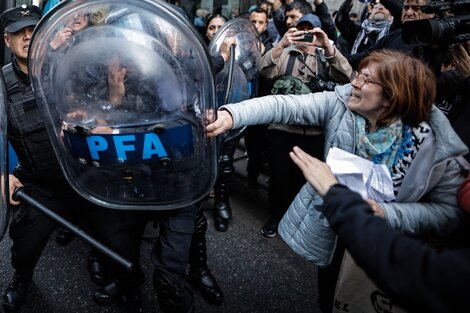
[324,82]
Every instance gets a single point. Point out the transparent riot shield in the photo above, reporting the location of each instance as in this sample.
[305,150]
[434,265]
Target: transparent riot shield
[247,50]
[4,192]
[234,82]
[125,88]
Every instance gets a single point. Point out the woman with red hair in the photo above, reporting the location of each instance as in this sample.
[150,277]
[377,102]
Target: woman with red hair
[386,115]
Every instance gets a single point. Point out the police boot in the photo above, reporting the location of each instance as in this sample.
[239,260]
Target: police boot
[108,293]
[200,276]
[15,294]
[96,268]
[222,209]
[222,215]
[173,297]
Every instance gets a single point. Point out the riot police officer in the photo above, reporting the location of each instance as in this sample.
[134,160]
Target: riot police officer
[28,230]
[38,171]
[199,276]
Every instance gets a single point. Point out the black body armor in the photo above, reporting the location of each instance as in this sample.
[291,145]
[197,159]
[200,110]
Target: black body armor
[27,133]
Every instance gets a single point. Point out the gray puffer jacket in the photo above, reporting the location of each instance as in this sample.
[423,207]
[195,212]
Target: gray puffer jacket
[426,203]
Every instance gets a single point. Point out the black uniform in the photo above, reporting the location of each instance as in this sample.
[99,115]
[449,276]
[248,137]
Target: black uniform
[43,180]
[39,171]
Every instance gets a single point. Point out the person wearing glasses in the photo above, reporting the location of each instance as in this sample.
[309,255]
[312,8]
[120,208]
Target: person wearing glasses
[383,16]
[394,40]
[386,115]
[396,262]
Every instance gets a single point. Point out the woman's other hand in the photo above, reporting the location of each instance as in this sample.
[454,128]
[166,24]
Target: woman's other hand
[316,172]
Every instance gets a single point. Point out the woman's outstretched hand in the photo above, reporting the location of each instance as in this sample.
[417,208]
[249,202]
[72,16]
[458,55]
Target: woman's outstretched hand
[317,173]
[223,123]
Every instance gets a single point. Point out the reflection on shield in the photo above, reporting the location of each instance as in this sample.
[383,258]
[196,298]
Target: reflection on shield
[84,77]
[4,193]
[125,101]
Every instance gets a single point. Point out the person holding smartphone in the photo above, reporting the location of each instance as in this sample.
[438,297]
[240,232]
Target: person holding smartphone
[304,52]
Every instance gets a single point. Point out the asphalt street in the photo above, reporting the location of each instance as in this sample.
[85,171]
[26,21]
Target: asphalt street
[257,275]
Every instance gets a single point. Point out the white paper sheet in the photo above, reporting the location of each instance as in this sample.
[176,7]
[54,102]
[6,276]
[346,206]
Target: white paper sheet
[372,181]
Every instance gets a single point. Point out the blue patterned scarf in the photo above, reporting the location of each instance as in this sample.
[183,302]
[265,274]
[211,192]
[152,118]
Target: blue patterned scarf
[390,145]
[381,146]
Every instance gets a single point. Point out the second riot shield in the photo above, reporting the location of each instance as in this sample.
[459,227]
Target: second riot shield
[233,83]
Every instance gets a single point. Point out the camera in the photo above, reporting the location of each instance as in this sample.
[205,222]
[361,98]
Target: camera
[452,26]
[317,84]
[308,37]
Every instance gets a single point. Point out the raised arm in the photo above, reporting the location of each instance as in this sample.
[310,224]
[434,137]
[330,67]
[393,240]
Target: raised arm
[328,25]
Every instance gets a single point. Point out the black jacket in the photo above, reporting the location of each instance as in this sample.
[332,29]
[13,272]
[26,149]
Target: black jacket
[394,41]
[350,29]
[453,97]
[415,275]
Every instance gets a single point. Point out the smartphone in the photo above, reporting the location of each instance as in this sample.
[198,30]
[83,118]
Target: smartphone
[308,37]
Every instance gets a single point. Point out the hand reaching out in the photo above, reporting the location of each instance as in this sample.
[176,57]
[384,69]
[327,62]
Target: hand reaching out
[223,123]
[317,173]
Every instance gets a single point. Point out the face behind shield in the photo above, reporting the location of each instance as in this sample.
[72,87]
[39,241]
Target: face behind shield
[126,98]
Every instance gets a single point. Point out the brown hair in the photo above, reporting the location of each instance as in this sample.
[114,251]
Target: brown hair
[409,86]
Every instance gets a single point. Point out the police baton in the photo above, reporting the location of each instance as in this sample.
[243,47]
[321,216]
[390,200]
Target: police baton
[20,195]
[230,74]
[234,133]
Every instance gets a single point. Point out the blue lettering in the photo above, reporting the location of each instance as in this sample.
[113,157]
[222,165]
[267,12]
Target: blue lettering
[152,146]
[121,148]
[95,144]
